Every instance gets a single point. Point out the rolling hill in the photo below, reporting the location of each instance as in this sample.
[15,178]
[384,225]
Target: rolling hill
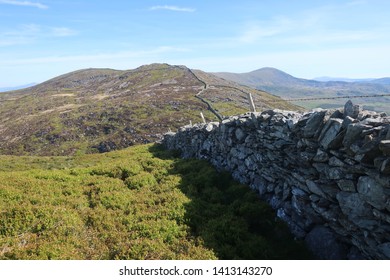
[288,87]
[99,110]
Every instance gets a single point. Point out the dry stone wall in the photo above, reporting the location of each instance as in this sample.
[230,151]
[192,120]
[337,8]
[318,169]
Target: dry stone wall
[325,172]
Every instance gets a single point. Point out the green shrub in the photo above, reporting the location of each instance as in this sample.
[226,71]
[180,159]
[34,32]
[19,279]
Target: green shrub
[141,180]
[138,203]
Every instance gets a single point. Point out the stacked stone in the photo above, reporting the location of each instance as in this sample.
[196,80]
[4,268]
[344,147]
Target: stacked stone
[326,172]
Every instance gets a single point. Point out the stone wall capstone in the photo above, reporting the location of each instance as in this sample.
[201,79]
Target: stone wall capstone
[325,172]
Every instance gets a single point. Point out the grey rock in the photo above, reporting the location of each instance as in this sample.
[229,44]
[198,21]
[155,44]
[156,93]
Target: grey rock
[337,114]
[353,133]
[385,249]
[335,173]
[298,192]
[378,161]
[330,190]
[330,215]
[380,215]
[370,150]
[240,135]
[324,244]
[275,202]
[314,124]
[353,206]
[373,121]
[321,156]
[314,198]
[210,126]
[385,166]
[368,224]
[346,185]
[334,161]
[347,121]
[314,188]
[299,200]
[384,146]
[329,132]
[372,192]
[351,110]
[355,254]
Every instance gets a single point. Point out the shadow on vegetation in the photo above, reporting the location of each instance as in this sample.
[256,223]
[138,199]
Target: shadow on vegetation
[229,217]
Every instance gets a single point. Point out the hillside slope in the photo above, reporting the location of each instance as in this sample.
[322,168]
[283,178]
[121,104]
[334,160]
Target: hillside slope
[137,203]
[98,110]
[288,87]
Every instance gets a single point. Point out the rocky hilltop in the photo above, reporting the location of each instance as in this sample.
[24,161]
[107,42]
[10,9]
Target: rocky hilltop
[326,172]
[98,110]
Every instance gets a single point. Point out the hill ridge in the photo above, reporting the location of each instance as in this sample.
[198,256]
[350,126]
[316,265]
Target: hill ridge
[99,110]
[373,94]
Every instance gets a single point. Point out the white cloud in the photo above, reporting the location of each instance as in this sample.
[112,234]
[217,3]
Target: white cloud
[356,3]
[30,33]
[257,30]
[12,42]
[173,8]
[62,31]
[24,3]
[320,25]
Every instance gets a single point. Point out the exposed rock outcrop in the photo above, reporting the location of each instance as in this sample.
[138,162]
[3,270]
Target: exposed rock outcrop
[325,172]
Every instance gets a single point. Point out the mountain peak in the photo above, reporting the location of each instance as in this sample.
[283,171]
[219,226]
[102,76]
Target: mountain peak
[264,76]
[326,94]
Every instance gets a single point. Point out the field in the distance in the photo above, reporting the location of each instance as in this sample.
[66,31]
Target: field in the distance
[137,203]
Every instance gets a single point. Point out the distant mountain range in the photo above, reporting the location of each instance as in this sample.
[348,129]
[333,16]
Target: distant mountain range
[288,87]
[335,79]
[4,89]
[383,81]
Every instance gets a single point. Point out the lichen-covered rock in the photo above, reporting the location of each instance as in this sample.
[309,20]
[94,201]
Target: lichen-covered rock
[346,185]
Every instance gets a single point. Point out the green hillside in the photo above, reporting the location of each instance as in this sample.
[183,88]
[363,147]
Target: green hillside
[100,110]
[137,203]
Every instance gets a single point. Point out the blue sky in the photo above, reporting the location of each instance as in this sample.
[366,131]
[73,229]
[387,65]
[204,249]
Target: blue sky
[40,39]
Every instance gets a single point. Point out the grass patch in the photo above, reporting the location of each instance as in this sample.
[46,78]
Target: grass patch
[137,203]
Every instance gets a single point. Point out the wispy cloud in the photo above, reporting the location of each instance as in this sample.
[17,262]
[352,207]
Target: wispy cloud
[24,3]
[254,31]
[356,3]
[30,33]
[312,27]
[62,31]
[173,8]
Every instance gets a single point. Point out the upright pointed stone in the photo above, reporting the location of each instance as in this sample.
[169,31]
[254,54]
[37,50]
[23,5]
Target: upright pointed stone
[351,110]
